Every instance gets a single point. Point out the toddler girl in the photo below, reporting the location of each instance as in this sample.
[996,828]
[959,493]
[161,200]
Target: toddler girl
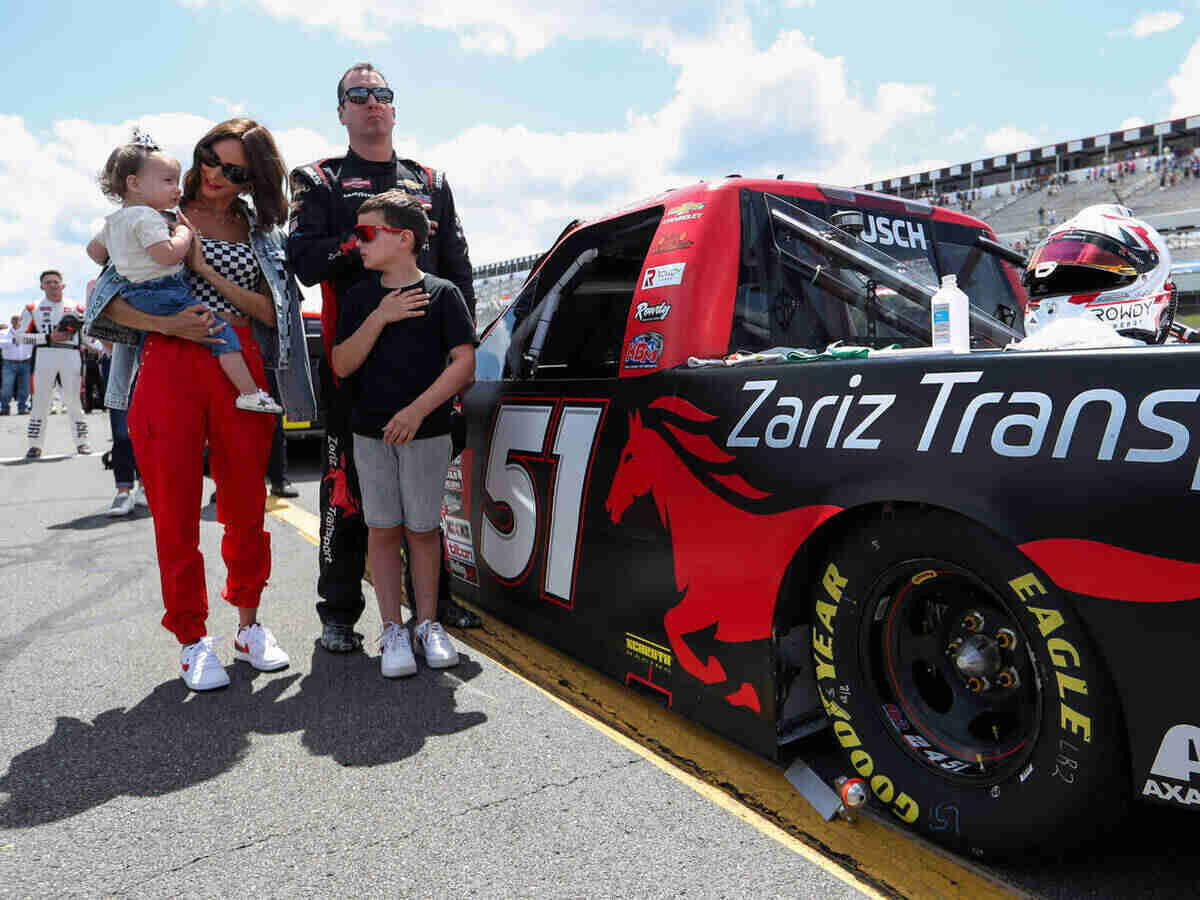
[148,254]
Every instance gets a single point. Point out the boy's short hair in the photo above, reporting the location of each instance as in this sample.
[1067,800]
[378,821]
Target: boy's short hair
[42,277]
[400,210]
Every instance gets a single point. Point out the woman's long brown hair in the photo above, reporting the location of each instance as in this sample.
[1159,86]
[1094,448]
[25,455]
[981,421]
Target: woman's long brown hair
[266,167]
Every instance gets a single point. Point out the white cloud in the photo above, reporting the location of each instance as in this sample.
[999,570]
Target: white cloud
[1009,139]
[790,109]
[1155,23]
[1184,85]
[231,108]
[1132,122]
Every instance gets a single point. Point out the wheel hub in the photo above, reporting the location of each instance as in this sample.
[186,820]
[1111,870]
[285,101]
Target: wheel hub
[978,656]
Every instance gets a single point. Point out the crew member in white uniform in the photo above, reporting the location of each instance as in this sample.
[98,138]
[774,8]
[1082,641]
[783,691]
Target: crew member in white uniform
[57,355]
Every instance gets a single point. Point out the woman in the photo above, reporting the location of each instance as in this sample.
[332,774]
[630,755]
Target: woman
[182,400]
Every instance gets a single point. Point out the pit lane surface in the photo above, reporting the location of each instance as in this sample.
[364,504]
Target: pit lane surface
[321,780]
[115,781]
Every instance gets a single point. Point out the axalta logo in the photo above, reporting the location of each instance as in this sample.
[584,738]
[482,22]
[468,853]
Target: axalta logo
[1178,759]
[901,232]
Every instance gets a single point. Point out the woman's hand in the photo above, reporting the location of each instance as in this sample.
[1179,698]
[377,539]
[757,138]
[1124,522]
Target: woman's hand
[403,304]
[196,323]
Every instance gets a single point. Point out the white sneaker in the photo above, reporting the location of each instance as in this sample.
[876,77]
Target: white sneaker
[200,667]
[258,401]
[396,659]
[139,496]
[256,645]
[122,504]
[435,645]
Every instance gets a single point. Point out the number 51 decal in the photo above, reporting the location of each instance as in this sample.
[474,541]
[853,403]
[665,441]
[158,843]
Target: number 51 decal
[556,435]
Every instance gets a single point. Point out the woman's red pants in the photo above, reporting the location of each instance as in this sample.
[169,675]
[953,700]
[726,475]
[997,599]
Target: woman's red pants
[183,402]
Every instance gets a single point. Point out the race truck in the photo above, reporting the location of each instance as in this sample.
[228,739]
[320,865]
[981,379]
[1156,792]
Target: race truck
[711,453]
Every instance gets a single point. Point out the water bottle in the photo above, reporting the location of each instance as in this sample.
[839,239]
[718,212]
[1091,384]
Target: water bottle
[950,313]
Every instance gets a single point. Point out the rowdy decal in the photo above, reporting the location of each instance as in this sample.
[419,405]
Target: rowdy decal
[901,232]
[688,505]
[652,312]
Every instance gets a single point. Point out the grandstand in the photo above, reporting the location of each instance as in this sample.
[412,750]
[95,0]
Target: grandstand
[1153,169]
[496,284]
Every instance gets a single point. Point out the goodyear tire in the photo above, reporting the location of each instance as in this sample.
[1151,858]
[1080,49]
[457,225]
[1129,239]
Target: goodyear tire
[964,690]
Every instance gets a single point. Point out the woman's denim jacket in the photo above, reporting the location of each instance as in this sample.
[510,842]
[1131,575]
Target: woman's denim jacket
[284,347]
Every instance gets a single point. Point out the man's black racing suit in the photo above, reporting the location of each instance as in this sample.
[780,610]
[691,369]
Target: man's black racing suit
[325,200]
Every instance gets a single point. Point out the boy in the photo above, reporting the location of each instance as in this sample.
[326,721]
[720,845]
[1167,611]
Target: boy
[396,327]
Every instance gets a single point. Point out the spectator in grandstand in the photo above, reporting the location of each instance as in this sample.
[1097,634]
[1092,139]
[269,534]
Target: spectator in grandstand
[325,200]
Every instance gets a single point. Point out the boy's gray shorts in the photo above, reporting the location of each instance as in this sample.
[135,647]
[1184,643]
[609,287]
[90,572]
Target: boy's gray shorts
[402,484]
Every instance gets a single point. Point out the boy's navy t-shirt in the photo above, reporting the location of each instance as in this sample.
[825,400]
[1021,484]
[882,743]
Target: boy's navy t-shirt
[408,356]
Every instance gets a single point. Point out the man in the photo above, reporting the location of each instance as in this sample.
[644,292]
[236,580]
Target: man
[57,357]
[18,365]
[325,200]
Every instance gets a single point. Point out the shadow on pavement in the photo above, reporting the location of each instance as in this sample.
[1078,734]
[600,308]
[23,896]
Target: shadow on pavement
[343,708]
[99,520]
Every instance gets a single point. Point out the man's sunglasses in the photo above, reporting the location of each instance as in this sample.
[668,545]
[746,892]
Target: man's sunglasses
[235,174]
[366,233]
[359,94]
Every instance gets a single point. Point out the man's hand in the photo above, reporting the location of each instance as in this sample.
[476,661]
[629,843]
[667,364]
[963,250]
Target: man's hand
[401,428]
[196,323]
[403,304]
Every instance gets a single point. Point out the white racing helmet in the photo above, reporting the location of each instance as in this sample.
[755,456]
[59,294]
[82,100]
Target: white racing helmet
[1107,264]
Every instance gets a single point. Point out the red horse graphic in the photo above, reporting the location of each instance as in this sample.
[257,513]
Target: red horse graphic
[729,563]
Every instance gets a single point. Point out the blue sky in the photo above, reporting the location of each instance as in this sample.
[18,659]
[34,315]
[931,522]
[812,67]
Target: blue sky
[542,112]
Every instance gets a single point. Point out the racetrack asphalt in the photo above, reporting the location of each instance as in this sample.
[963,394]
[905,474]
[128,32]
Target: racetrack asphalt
[322,779]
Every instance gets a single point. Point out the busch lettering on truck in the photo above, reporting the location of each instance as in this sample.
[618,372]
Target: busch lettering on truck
[901,232]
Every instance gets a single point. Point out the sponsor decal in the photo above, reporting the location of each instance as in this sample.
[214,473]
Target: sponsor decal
[460,529]
[409,185]
[670,242]
[1015,424]
[644,351]
[648,652]
[652,312]
[351,184]
[663,276]
[1178,760]
[684,209]
[901,232]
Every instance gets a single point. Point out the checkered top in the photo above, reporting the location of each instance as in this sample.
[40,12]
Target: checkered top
[232,260]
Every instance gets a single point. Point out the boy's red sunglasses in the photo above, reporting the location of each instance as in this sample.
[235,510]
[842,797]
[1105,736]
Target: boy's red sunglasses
[366,233]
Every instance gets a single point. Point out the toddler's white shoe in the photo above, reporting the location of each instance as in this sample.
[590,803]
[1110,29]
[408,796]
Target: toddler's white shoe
[259,401]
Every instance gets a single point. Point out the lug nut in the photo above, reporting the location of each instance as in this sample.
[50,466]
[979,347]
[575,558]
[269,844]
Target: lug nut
[1006,639]
[1008,679]
[954,646]
[977,684]
[972,621]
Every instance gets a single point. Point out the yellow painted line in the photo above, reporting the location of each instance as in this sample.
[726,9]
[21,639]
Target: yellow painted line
[874,855]
[302,520]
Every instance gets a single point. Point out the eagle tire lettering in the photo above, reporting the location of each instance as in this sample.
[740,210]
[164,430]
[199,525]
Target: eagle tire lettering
[1059,773]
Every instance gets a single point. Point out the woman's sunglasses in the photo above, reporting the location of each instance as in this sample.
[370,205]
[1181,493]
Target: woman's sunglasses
[366,233]
[235,174]
[358,95]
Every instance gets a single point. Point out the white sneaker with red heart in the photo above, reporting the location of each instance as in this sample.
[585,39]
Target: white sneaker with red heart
[256,645]
[201,668]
